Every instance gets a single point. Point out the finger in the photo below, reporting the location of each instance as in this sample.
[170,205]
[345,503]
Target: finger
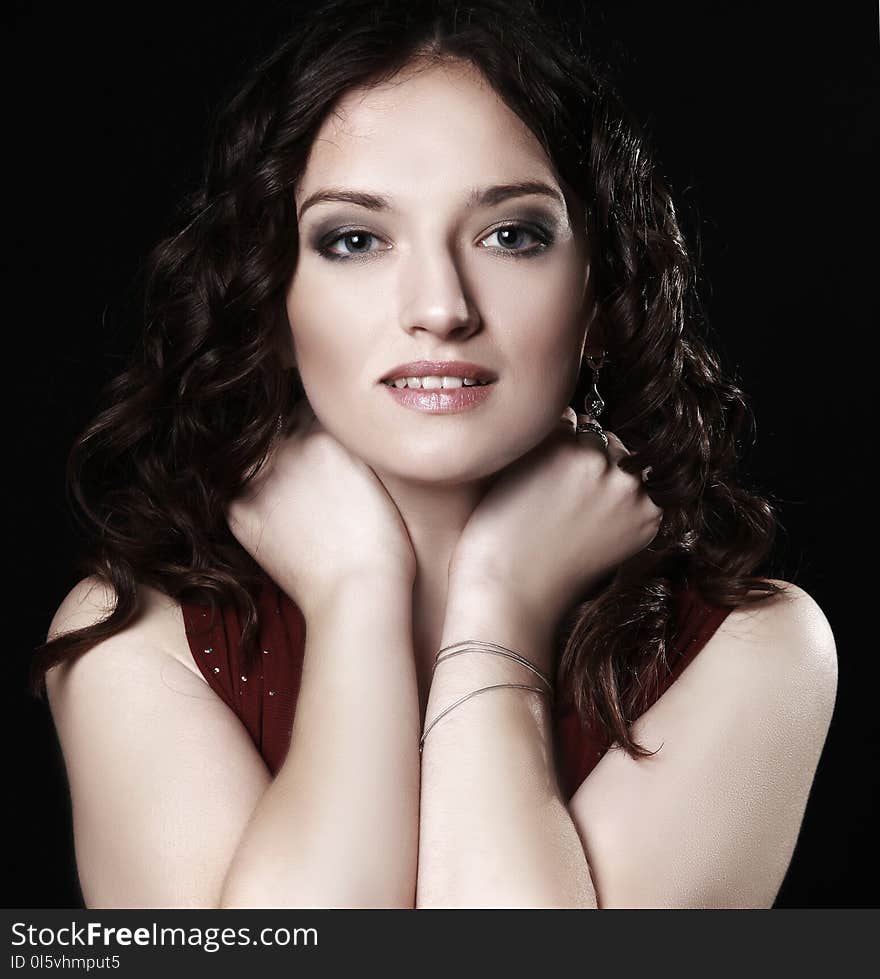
[569,417]
[616,449]
[589,435]
[621,451]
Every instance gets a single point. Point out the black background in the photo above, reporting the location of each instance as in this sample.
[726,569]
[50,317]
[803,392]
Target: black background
[764,118]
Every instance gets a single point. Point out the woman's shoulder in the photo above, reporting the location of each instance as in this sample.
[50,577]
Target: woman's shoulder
[788,602]
[790,610]
[156,632]
[93,598]
[786,632]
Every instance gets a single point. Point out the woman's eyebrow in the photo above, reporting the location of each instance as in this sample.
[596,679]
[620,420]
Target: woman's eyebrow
[478,197]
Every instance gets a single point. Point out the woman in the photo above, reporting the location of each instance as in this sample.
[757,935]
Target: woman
[365,610]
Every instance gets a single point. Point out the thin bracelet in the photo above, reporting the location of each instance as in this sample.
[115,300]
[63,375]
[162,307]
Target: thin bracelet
[467,696]
[481,645]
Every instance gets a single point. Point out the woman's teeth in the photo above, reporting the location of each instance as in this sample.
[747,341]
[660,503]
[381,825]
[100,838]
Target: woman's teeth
[434,382]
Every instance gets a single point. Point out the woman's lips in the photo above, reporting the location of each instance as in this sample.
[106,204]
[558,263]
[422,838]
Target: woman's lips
[440,400]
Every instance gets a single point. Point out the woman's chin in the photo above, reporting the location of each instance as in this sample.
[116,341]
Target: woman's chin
[449,480]
[437,474]
[438,466]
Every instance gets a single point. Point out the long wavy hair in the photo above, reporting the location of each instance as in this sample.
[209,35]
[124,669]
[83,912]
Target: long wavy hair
[196,412]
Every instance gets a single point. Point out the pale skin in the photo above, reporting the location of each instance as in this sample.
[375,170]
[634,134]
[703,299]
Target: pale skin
[399,532]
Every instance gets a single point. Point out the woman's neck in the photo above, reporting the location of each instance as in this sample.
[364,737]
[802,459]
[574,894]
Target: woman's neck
[434,517]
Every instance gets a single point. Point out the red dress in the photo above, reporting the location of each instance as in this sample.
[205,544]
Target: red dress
[264,698]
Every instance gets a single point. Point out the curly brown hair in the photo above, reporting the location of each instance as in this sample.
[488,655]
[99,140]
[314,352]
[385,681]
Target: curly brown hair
[195,414]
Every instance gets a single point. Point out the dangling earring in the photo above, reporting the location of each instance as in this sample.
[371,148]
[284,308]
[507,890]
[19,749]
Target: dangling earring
[593,403]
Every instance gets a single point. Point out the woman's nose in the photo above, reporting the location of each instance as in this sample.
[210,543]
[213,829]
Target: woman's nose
[434,296]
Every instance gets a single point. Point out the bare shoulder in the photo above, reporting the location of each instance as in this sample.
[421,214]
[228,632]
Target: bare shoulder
[789,630]
[157,634]
[91,600]
[784,645]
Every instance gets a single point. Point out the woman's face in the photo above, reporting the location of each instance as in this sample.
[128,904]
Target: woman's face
[432,263]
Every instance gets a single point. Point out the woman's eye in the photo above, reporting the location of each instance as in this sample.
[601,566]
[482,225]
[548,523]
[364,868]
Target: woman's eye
[510,239]
[357,240]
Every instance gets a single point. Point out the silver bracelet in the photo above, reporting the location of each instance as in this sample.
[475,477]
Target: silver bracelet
[480,645]
[467,696]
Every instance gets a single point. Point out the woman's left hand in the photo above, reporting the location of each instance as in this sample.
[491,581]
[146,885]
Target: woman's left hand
[553,524]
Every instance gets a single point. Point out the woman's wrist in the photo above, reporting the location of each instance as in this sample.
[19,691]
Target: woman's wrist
[494,613]
[379,590]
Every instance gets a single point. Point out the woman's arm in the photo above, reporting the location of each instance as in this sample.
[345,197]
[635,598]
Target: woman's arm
[338,827]
[173,806]
[163,776]
[495,831]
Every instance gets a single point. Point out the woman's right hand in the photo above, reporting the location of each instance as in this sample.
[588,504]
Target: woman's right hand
[316,516]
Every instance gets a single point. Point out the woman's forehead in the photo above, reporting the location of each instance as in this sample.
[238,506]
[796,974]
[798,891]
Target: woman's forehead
[444,124]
